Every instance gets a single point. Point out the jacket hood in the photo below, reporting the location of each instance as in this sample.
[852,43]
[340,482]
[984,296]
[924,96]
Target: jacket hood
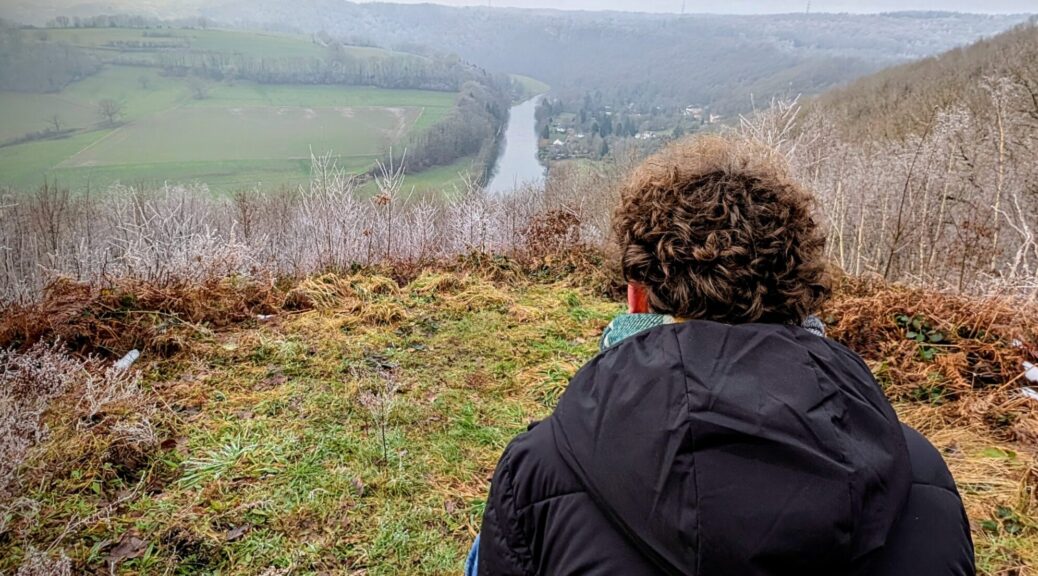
[749,449]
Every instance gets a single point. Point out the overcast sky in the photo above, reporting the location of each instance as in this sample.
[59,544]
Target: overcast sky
[761,6]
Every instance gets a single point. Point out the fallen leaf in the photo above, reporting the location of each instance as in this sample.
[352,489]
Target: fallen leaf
[236,533]
[272,382]
[358,485]
[186,411]
[129,547]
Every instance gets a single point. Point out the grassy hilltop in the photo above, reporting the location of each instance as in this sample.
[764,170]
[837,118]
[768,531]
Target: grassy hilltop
[229,134]
[353,428]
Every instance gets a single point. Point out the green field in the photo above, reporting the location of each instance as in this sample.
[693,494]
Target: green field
[187,134]
[531,86]
[241,134]
[441,181]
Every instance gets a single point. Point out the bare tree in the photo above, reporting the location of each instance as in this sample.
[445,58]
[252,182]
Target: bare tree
[56,123]
[110,111]
[199,88]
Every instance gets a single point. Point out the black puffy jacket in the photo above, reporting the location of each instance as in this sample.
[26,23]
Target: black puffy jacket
[711,450]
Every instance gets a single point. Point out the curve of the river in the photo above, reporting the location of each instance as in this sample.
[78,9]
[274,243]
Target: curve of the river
[517,163]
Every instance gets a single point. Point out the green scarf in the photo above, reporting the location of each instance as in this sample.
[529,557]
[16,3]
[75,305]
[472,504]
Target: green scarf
[626,325]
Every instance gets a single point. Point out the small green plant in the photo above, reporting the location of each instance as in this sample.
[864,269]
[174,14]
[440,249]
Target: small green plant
[931,394]
[922,331]
[380,404]
[215,464]
[1006,521]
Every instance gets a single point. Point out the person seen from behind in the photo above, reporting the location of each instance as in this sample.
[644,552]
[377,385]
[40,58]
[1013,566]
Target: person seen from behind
[719,433]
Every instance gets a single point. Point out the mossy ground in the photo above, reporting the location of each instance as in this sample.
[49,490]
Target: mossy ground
[271,464]
[272,441]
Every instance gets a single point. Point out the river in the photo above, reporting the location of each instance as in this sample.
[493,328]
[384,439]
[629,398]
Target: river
[517,163]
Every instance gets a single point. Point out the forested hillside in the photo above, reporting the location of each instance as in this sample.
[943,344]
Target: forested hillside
[927,172]
[651,60]
[901,100]
[29,65]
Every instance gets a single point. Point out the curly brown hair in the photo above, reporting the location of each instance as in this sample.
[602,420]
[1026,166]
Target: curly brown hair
[718,229]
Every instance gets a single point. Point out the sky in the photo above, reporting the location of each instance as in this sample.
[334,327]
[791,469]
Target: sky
[760,6]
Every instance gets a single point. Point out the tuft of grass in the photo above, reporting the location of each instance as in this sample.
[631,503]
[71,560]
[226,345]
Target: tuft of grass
[215,464]
[479,296]
[438,283]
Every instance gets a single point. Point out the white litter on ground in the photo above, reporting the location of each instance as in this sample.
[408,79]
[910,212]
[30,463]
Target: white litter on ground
[1031,373]
[125,362]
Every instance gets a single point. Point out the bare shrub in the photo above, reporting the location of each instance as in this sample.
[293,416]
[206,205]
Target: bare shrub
[950,207]
[552,232]
[181,235]
[113,386]
[28,383]
[379,403]
[132,443]
[41,563]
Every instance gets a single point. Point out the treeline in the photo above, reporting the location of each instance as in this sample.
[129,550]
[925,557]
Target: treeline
[56,131]
[146,45]
[39,65]
[126,21]
[472,128]
[341,66]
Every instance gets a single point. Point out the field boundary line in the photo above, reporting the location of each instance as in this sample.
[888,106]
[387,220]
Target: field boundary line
[85,148]
[178,104]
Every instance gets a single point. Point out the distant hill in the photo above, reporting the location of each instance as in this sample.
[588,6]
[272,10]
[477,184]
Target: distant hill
[648,59]
[900,100]
[654,59]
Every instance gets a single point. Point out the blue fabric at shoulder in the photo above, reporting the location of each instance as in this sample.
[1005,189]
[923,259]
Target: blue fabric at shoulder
[626,325]
[472,561]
